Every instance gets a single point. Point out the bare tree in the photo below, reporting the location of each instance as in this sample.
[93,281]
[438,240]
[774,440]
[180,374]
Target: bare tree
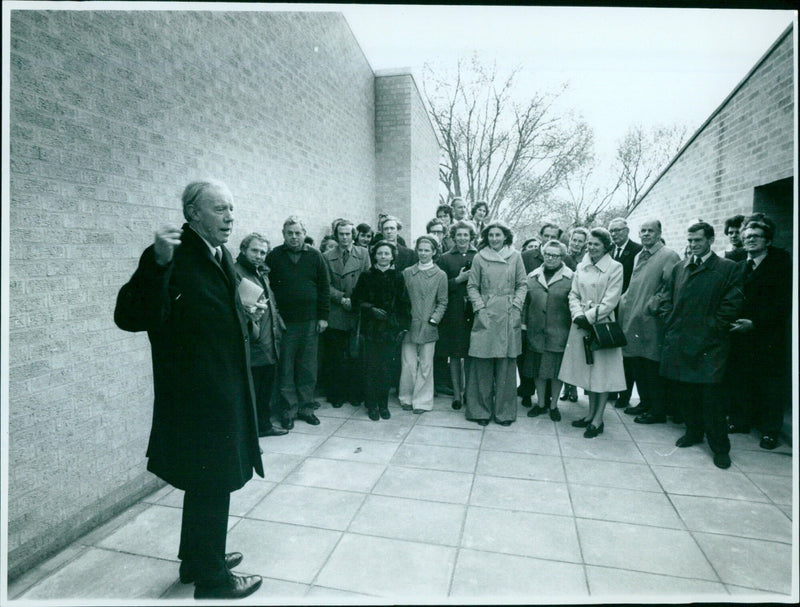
[643,153]
[495,149]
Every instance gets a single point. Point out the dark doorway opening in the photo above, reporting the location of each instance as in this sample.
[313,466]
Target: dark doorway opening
[776,199]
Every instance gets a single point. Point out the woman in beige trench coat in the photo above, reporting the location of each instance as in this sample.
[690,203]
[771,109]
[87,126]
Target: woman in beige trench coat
[496,288]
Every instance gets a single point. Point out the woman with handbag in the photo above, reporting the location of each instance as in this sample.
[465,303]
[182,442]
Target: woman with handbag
[595,364]
[457,320]
[381,297]
[427,289]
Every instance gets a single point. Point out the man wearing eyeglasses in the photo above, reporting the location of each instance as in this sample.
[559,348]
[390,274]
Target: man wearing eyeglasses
[757,372]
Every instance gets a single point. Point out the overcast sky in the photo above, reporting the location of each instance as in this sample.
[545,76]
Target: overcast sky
[624,66]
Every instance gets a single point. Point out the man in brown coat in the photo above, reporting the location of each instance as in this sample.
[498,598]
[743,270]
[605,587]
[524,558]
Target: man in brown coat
[699,304]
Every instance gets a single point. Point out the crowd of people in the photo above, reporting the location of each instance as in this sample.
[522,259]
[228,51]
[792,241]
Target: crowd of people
[463,313]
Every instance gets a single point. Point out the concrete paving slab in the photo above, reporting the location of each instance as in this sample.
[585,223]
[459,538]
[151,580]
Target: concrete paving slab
[278,550]
[396,569]
[243,500]
[643,548]
[310,506]
[357,449]
[278,465]
[447,419]
[541,424]
[764,462]
[613,585]
[428,485]
[336,474]
[611,474]
[434,457]
[410,519]
[326,427]
[508,578]
[545,497]
[540,444]
[522,533]
[106,574]
[446,437]
[601,448]
[696,456]
[749,563]
[521,465]
[709,482]
[155,532]
[294,443]
[734,517]
[624,506]
[777,488]
[386,430]
[655,433]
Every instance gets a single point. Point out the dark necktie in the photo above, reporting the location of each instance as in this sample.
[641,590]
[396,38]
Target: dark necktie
[218,255]
[618,253]
[345,256]
[751,265]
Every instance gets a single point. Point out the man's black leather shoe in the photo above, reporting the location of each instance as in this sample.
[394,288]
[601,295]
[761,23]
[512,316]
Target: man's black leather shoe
[186,574]
[272,431]
[722,460]
[236,587]
[687,441]
[287,422]
[309,418]
[649,418]
[637,410]
[768,442]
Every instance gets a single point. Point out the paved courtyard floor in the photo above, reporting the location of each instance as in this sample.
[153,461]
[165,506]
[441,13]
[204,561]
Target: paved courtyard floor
[433,508]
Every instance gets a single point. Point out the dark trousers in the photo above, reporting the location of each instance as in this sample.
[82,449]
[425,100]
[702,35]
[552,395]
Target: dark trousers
[264,387]
[704,413]
[441,373]
[204,528]
[298,367]
[378,369]
[526,384]
[651,386]
[757,396]
[630,379]
[343,381]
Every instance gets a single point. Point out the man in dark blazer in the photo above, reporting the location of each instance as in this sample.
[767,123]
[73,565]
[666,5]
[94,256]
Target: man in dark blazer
[702,298]
[345,264]
[203,438]
[757,372]
[625,251]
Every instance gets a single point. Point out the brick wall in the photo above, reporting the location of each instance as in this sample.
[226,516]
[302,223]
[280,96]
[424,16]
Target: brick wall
[112,113]
[406,151]
[747,143]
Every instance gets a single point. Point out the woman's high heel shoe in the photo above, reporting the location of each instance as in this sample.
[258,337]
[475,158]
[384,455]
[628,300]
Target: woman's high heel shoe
[592,430]
[581,423]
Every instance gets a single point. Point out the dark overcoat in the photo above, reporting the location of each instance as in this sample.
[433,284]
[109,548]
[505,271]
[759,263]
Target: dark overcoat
[627,259]
[454,328]
[203,435]
[387,291]
[768,303]
[698,306]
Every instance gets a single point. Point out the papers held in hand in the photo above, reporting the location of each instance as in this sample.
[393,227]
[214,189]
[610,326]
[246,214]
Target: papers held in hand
[250,293]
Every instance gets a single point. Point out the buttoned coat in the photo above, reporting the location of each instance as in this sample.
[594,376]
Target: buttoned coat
[344,277]
[644,330]
[699,305]
[596,289]
[497,288]
[547,316]
[454,328]
[204,434]
[427,290]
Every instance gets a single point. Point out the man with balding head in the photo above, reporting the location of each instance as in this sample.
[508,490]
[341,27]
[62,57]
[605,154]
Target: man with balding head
[203,439]
[643,330]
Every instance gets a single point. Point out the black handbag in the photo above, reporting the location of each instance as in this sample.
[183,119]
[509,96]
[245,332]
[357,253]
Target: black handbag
[607,335]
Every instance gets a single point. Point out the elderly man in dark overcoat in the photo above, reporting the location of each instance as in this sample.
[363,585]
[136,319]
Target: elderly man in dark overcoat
[699,302]
[203,438]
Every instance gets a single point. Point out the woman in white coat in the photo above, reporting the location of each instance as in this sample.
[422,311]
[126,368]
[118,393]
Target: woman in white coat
[596,290]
